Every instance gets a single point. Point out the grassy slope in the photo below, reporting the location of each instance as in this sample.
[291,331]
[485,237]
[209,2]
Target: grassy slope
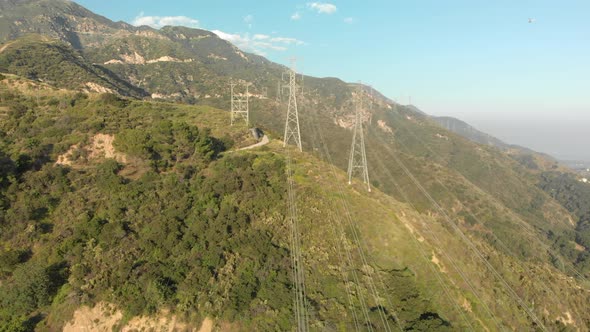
[491,197]
[402,243]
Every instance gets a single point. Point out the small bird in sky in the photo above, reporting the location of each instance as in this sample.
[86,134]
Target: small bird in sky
[532,20]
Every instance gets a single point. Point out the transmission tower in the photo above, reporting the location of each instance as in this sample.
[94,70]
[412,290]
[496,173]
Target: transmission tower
[283,86]
[358,157]
[240,108]
[292,132]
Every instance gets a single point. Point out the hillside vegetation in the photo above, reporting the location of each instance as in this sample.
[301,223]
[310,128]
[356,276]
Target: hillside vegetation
[197,230]
[183,224]
[137,200]
[39,58]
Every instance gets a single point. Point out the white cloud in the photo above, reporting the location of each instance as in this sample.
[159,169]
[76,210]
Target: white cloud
[232,38]
[349,20]
[322,7]
[259,44]
[160,21]
[296,16]
[285,40]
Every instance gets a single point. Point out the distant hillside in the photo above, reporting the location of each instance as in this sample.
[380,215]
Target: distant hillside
[39,58]
[173,63]
[464,129]
[60,19]
[529,158]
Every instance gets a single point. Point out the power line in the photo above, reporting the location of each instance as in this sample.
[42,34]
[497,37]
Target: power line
[444,253]
[462,274]
[470,244]
[300,298]
[359,245]
[524,225]
[493,200]
[358,157]
[292,132]
[340,245]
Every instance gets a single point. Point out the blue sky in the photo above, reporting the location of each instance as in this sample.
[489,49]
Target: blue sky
[481,61]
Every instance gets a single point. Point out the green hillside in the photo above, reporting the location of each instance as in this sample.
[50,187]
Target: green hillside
[183,224]
[479,184]
[144,204]
[56,63]
[200,227]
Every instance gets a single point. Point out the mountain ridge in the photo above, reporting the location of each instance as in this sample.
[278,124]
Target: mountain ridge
[511,222]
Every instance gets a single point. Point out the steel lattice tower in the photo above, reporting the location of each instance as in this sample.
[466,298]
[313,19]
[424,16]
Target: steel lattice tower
[240,108]
[292,132]
[358,157]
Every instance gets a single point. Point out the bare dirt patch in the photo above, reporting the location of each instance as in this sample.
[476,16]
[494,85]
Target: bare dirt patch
[68,157]
[162,322]
[466,305]
[100,147]
[105,317]
[579,247]
[207,325]
[438,263]
[567,318]
[383,126]
[94,87]
[100,318]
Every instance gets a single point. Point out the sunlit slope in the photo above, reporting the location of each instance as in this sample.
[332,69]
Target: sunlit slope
[365,254]
[521,257]
[170,222]
[40,58]
[173,63]
[523,235]
[478,184]
[407,249]
[163,227]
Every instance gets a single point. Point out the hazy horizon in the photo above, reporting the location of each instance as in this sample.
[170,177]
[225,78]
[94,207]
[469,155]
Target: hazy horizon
[562,137]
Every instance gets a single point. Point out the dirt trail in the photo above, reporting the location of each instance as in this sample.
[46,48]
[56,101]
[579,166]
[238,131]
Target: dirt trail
[5,46]
[264,141]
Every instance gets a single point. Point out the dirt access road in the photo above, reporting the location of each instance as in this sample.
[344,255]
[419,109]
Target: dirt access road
[264,141]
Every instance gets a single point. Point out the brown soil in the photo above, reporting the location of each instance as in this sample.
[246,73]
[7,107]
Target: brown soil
[438,263]
[100,319]
[101,146]
[105,317]
[207,325]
